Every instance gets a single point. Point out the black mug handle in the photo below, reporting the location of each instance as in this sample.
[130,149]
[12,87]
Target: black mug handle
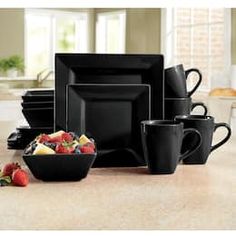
[195,147]
[200,104]
[187,72]
[217,125]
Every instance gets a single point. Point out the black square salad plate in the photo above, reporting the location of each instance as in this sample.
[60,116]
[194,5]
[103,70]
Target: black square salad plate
[108,69]
[112,115]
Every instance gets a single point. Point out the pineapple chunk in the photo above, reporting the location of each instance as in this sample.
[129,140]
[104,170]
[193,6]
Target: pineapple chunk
[75,143]
[56,134]
[41,149]
[83,140]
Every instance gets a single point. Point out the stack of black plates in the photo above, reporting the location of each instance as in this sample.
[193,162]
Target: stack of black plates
[106,96]
[38,110]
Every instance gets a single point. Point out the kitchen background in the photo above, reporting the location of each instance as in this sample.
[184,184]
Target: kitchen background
[202,38]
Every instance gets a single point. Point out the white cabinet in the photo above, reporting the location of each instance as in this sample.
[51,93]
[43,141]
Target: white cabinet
[10,117]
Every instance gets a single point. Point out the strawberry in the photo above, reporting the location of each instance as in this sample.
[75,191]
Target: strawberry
[67,137]
[9,168]
[87,149]
[57,139]
[65,147]
[20,178]
[90,144]
[44,138]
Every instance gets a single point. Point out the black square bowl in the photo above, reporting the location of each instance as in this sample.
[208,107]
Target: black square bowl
[38,96]
[39,117]
[37,104]
[60,167]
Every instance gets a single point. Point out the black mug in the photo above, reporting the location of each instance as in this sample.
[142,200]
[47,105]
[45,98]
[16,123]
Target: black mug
[162,141]
[181,106]
[206,126]
[175,81]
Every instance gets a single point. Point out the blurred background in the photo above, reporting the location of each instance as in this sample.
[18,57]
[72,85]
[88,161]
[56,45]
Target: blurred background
[203,38]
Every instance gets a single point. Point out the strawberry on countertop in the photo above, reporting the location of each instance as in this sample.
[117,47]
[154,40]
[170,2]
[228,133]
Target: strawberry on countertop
[9,168]
[13,174]
[20,178]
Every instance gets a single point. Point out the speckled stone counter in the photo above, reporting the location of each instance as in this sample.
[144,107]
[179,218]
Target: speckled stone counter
[194,197]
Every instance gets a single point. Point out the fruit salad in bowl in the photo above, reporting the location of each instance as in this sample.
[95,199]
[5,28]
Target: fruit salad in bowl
[60,156]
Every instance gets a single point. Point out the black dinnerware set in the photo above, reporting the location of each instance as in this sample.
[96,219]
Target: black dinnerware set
[180,136]
[137,112]
[108,97]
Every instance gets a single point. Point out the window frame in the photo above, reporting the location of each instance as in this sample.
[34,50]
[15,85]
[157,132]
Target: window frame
[53,14]
[123,39]
[167,24]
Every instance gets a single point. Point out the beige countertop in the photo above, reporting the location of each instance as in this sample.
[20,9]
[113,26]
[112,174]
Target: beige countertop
[194,197]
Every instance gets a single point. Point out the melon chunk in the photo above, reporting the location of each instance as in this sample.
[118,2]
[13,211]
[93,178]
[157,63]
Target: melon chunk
[41,149]
[75,144]
[83,140]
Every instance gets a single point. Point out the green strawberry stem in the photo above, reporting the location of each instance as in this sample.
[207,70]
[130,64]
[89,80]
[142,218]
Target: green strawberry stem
[5,180]
[67,144]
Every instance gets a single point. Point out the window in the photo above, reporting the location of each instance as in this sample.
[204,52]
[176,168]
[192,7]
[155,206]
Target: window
[48,32]
[198,38]
[110,32]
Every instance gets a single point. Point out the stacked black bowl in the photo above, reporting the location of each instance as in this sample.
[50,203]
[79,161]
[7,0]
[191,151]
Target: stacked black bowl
[38,110]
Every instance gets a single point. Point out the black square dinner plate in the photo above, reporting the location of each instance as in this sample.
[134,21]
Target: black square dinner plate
[111,114]
[108,69]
